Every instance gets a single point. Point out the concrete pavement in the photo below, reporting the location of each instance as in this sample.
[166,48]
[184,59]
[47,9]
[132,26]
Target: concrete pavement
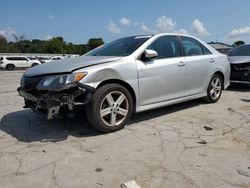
[193,144]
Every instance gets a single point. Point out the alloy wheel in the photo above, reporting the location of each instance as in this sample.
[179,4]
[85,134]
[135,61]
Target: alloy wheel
[114,108]
[215,88]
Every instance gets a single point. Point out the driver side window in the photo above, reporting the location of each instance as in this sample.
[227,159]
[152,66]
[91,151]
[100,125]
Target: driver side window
[166,47]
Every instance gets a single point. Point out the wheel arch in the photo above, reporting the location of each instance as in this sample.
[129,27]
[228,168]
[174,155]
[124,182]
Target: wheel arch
[34,64]
[124,84]
[9,65]
[222,77]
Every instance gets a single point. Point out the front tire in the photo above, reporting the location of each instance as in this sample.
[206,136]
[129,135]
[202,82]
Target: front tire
[110,108]
[214,89]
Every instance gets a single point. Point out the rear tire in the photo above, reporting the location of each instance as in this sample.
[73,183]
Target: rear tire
[214,89]
[110,108]
[10,67]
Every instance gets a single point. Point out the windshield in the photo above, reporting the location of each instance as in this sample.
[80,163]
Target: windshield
[120,47]
[240,51]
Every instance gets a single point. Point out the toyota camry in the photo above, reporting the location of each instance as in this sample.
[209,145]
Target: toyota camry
[129,75]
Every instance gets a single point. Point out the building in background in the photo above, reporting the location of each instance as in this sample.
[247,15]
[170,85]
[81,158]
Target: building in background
[221,47]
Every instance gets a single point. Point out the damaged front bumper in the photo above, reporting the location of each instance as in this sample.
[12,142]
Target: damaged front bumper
[51,103]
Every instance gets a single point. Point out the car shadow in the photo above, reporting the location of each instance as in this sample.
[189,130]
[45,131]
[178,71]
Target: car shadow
[147,115]
[239,87]
[27,126]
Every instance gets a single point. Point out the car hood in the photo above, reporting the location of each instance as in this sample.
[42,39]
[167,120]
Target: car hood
[238,59]
[68,65]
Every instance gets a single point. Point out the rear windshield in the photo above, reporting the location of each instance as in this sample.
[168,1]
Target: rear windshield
[240,51]
[120,47]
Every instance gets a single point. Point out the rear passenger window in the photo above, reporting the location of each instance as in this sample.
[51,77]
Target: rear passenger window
[166,47]
[193,48]
[205,50]
[16,58]
[12,58]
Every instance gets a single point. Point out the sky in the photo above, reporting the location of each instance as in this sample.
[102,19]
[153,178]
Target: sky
[78,20]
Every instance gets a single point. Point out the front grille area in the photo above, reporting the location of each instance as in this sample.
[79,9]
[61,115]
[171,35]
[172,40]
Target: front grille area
[30,83]
[240,72]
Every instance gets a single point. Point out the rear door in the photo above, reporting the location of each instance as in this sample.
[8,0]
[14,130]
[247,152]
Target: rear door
[198,60]
[164,77]
[26,62]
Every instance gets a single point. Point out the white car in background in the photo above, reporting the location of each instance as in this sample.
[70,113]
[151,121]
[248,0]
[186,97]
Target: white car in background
[54,58]
[12,62]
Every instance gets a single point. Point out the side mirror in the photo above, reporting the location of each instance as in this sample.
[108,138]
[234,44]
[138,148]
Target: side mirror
[150,53]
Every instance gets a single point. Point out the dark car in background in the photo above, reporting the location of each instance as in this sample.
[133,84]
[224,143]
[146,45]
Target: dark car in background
[239,58]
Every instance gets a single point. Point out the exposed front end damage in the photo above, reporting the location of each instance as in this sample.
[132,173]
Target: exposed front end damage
[53,102]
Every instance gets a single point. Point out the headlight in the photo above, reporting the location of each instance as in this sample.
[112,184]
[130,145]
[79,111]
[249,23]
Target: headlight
[60,82]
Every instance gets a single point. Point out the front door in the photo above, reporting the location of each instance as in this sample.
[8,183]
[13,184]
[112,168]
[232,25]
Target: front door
[164,77]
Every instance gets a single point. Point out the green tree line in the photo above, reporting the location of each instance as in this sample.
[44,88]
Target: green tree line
[55,45]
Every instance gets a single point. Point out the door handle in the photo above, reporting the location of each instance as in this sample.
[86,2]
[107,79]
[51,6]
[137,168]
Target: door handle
[211,60]
[181,64]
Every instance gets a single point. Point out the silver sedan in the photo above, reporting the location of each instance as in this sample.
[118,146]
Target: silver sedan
[131,74]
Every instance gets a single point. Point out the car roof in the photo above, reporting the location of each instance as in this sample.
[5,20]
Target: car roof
[175,34]
[14,56]
[160,34]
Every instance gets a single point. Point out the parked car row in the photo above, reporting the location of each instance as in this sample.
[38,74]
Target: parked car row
[48,59]
[13,62]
